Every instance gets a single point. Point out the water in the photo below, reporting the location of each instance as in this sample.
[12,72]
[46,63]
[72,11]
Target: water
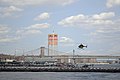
[58,76]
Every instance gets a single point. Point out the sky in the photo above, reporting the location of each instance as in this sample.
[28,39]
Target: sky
[25,25]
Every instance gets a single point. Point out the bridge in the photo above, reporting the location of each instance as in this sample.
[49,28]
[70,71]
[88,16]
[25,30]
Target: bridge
[42,51]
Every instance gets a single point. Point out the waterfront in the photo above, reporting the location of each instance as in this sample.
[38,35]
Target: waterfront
[58,76]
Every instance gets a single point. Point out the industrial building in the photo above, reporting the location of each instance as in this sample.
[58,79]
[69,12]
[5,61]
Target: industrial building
[52,44]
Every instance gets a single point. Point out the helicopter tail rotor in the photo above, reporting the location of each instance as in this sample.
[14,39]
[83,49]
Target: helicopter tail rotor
[86,46]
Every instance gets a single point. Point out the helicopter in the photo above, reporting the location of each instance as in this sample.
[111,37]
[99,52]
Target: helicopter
[81,46]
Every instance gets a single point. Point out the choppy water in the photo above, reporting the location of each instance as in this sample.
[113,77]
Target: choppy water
[58,76]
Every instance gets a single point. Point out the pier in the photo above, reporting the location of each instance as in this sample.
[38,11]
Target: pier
[56,69]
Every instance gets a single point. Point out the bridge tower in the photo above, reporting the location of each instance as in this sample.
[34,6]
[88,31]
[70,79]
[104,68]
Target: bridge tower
[52,44]
[42,51]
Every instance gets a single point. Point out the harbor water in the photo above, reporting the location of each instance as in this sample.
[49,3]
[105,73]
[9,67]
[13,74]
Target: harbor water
[58,76]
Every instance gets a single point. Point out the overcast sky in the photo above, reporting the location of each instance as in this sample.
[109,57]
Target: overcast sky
[25,25]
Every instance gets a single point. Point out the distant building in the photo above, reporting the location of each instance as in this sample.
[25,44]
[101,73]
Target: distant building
[85,60]
[52,44]
[38,60]
[62,59]
[5,58]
